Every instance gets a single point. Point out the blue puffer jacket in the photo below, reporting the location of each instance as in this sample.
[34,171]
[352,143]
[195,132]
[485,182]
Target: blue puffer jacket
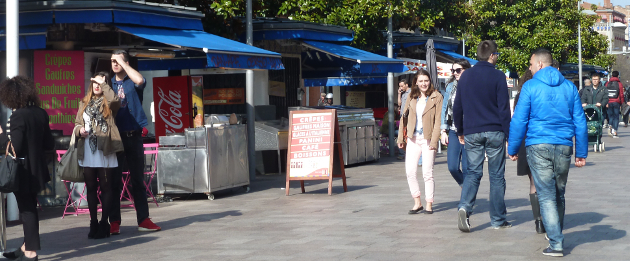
[550,111]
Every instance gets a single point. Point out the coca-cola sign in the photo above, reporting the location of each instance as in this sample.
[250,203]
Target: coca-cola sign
[170,112]
[171,97]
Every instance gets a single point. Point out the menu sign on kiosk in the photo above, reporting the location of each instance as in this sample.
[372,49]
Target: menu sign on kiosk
[314,148]
[59,80]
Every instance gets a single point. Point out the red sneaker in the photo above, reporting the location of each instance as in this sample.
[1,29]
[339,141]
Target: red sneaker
[114,228]
[148,226]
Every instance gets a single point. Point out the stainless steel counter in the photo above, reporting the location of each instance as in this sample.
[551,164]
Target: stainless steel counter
[203,160]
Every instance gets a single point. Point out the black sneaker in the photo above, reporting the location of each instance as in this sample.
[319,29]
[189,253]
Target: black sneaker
[504,225]
[550,252]
[464,222]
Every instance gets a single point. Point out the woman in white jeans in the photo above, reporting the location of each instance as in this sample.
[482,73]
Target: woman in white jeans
[423,111]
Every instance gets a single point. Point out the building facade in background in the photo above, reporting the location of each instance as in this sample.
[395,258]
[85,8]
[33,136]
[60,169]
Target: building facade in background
[612,22]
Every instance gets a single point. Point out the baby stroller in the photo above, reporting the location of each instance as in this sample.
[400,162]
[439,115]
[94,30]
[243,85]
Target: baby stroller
[594,123]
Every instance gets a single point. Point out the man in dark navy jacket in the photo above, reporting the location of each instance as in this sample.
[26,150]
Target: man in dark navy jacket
[130,119]
[481,113]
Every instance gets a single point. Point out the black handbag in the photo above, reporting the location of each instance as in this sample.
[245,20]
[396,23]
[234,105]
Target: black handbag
[9,171]
[625,108]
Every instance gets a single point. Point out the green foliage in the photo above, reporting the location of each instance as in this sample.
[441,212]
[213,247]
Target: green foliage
[521,26]
[368,18]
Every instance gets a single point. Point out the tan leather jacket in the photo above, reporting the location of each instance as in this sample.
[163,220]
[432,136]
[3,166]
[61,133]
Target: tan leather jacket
[109,142]
[431,119]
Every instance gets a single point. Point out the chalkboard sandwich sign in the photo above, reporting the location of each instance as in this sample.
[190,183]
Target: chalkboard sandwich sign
[314,148]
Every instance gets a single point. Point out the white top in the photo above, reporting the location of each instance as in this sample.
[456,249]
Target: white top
[96,159]
[419,110]
[453,102]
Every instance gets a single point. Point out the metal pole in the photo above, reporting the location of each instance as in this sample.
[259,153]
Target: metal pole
[580,48]
[390,89]
[251,111]
[12,64]
[464,46]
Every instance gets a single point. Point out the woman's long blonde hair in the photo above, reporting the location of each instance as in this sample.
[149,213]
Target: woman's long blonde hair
[90,94]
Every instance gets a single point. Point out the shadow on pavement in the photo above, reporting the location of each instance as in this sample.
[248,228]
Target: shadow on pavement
[77,247]
[594,234]
[337,189]
[481,205]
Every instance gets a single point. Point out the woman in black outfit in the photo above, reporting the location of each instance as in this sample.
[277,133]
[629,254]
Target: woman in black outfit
[522,167]
[30,136]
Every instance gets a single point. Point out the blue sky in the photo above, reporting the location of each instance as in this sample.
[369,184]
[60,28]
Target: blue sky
[614,2]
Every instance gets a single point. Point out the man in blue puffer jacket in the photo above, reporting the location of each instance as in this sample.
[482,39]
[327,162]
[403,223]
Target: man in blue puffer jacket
[550,112]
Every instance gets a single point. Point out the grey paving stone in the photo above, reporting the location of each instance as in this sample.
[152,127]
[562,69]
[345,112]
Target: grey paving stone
[370,222]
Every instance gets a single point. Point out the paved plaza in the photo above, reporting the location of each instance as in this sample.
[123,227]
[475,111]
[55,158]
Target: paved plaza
[369,222]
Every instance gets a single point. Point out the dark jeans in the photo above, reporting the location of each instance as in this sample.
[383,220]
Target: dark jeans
[133,156]
[27,204]
[477,145]
[456,155]
[550,169]
[613,115]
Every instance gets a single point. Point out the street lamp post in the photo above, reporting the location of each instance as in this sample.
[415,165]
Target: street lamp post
[580,47]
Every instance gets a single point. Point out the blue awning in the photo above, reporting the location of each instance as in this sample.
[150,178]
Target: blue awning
[301,35]
[220,52]
[458,56]
[437,45]
[343,81]
[157,20]
[83,16]
[369,62]
[126,17]
[31,37]
[30,18]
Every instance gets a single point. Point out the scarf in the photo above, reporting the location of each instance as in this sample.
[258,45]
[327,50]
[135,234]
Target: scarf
[449,106]
[96,119]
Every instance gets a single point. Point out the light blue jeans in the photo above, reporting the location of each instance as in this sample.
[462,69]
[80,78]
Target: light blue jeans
[477,145]
[550,169]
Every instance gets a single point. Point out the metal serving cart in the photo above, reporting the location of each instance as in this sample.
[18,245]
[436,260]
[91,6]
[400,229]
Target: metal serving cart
[359,133]
[203,160]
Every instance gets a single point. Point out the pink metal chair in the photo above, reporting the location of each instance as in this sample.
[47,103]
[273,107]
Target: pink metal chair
[70,202]
[150,149]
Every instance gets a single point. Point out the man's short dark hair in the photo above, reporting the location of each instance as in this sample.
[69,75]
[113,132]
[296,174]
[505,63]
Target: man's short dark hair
[615,74]
[543,55]
[555,64]
[405,81]
[595,75]
[485,49]
[124,53]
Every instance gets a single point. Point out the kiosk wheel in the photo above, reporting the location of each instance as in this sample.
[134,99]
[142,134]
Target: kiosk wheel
[211,196]
[602,147]
[595,147]
[246,187]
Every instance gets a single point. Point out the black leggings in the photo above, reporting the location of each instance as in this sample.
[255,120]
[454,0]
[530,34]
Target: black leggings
[95,177]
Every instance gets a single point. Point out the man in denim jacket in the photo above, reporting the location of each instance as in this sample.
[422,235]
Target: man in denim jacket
[549,110]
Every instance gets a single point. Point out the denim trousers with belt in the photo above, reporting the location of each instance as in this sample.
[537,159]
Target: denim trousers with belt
[456,156]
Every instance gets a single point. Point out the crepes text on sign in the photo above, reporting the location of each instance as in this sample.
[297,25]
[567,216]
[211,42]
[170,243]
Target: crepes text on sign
[311,135]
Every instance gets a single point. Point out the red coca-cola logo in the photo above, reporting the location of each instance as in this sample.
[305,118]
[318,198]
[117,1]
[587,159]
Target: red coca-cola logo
[170,113]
